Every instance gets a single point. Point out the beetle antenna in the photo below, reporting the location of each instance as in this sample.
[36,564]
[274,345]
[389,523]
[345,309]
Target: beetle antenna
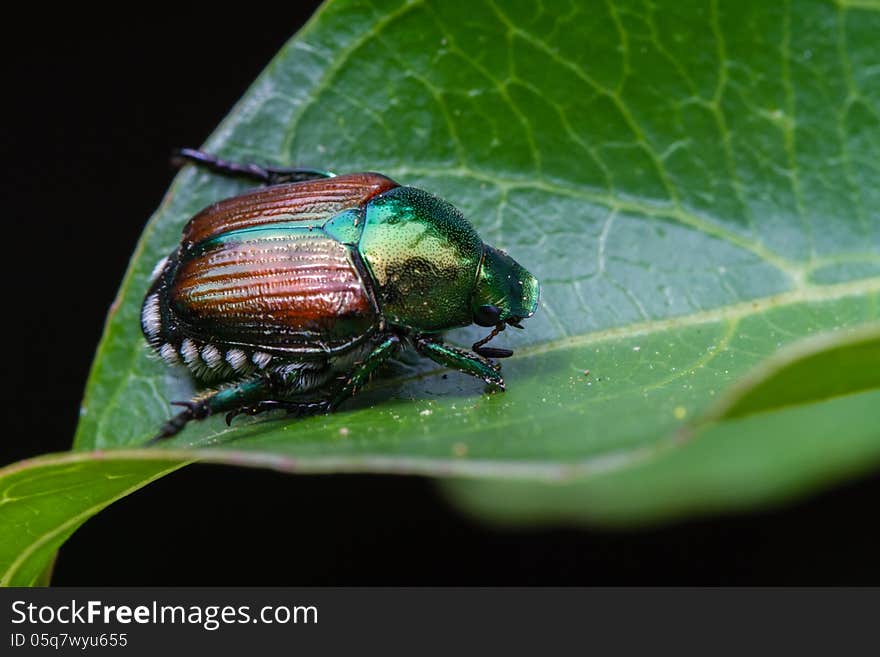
[491,352]
[495,331]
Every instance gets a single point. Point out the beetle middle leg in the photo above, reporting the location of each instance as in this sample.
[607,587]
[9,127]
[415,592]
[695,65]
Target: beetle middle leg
[264,174]
[297,408]
[362,371]
[461,360]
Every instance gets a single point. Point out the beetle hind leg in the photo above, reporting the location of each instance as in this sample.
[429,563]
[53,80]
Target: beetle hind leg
[193,410]
[276,390]
[264,174]
[266,392]
[242,394]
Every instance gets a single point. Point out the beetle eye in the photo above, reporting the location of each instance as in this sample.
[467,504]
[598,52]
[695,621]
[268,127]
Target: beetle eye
[487,315]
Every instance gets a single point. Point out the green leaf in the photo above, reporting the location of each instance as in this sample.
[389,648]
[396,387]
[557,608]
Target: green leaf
[44,500]
[695,186]
[802,419]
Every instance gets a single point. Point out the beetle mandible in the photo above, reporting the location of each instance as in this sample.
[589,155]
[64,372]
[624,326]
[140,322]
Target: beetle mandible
[291,295]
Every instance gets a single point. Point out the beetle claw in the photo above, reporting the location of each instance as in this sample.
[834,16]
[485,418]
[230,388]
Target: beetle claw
[195,410]
[253,409]
[309,408]
[192,411]
[493,352]
[496,384]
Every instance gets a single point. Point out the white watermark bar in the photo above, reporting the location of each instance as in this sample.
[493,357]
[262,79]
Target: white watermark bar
[416,621]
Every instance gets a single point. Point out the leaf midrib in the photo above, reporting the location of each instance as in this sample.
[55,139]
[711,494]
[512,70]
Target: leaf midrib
[732,312]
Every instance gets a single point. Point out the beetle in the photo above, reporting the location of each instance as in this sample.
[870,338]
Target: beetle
[291,295]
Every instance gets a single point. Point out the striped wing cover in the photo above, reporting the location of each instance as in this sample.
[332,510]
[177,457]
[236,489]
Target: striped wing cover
[282,289]
[311,202]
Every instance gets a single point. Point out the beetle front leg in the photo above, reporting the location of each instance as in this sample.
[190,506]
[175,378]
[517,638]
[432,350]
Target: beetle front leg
[463,361]
[267,175]
[361,373]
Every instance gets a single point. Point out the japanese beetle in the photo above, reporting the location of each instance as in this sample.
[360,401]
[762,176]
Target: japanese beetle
[291,295]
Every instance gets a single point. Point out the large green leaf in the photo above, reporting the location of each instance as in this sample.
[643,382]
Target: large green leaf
[694,184]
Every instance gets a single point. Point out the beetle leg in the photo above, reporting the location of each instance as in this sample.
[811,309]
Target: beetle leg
[253,409]
[193,410]
[463,361]
[267,175]
[361,373]
[256,395]
[230,398]
[303,409]
[298,409]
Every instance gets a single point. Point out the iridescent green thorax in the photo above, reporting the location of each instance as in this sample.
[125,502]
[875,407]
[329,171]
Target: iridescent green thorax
[504,283]
[424,257]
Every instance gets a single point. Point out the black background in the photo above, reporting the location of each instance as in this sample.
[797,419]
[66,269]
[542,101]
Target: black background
[93,105]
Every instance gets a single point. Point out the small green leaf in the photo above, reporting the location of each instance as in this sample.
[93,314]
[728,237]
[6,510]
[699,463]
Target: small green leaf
[44,500]
[696,187]
[811,371]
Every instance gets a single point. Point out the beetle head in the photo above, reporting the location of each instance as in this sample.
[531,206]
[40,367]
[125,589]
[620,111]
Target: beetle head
[505,293]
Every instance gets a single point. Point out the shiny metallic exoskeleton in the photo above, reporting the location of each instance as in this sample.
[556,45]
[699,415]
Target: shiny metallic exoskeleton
[291,295]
